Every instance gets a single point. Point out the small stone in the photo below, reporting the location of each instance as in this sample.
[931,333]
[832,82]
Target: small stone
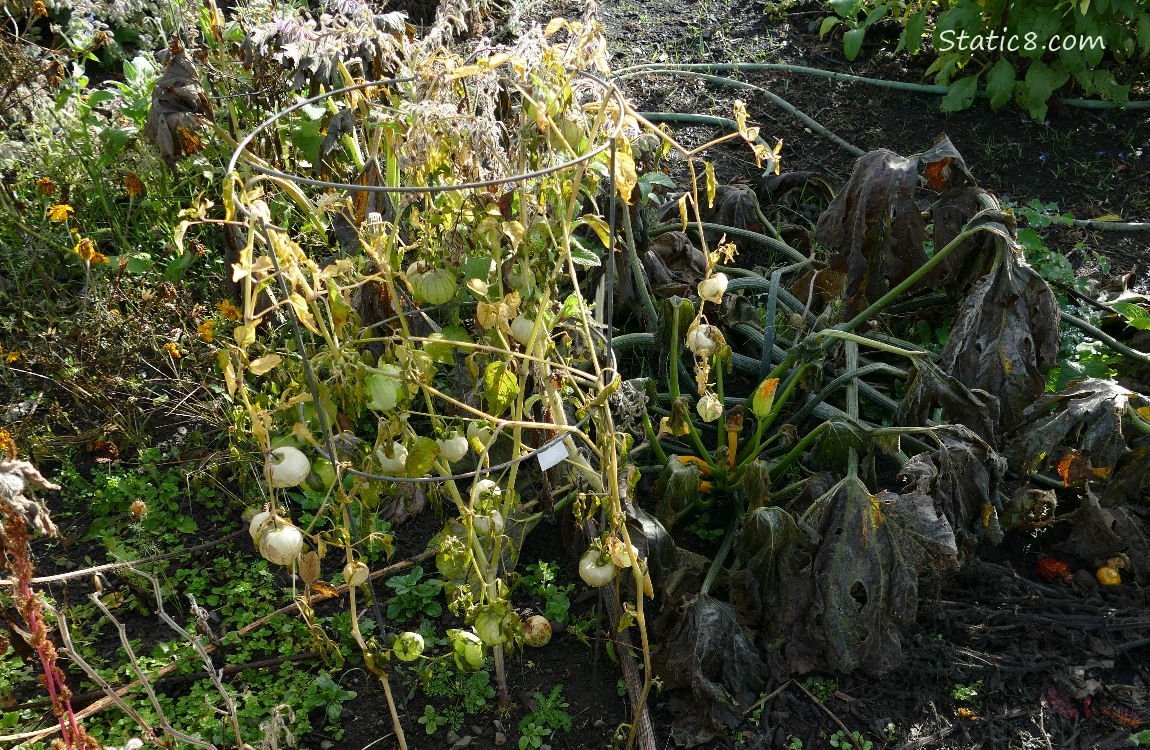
[477,730]
[498,725]
[326,745]
[500,739]
[600,724]
[464,741]
[544,747]
[453,737]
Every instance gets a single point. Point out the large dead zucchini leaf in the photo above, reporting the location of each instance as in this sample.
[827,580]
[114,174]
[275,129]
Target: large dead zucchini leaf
[673,265]
[1005,332]
[866,572]
[962,477]
[1130,482]
[973,258]
[774,592]
[1078,432]
[179,105]
[708,653]
[873,230]
[932,388]
[653,542]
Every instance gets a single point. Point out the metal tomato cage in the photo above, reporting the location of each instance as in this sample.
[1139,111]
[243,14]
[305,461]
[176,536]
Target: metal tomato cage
[615,128]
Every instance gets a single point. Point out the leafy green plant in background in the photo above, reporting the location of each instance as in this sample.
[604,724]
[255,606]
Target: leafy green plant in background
[148,498]
[1020,52]
[856,16]
[462,694]
[432,720]
[966,693]
[539,581]
[824,690]
[413,596]
[841,739]
[1030,75]
[549,716]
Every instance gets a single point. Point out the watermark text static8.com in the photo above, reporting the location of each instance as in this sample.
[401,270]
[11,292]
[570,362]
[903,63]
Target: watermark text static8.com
[950,40]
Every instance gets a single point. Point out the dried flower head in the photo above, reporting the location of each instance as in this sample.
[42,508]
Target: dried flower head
[46,186]
[138,508]
[40,10]
[133,184]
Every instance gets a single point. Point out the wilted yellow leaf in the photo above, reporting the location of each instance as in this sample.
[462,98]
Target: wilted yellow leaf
[465,72]
[496,60]
[303,312]
[554,25]
[712,183]
[625,177]
[323,590]
[683,210]
[225,363]
[600,227]
[245,335]
[264,365]
[178,236]
[514,231]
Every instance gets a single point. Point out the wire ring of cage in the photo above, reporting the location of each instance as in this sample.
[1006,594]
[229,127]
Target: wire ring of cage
[610,368]
[575,372]
[242,146]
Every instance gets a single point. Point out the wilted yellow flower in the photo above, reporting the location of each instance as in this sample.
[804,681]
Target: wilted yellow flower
[46,186]
[138,508]
[230,311]
[13,356]
[173,350]
[40,10]
[60,212]
[86,249]
[133,185]
[7,445]
[206,330]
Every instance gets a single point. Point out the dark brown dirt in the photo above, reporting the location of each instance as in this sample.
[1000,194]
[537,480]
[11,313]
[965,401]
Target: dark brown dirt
[1089,163]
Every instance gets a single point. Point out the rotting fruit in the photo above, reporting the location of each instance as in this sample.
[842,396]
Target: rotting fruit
[536,631]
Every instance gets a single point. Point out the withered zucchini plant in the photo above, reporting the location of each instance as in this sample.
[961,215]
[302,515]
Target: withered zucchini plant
[844,479]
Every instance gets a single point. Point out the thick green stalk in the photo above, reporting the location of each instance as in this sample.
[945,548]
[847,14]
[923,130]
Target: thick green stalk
[785,462]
